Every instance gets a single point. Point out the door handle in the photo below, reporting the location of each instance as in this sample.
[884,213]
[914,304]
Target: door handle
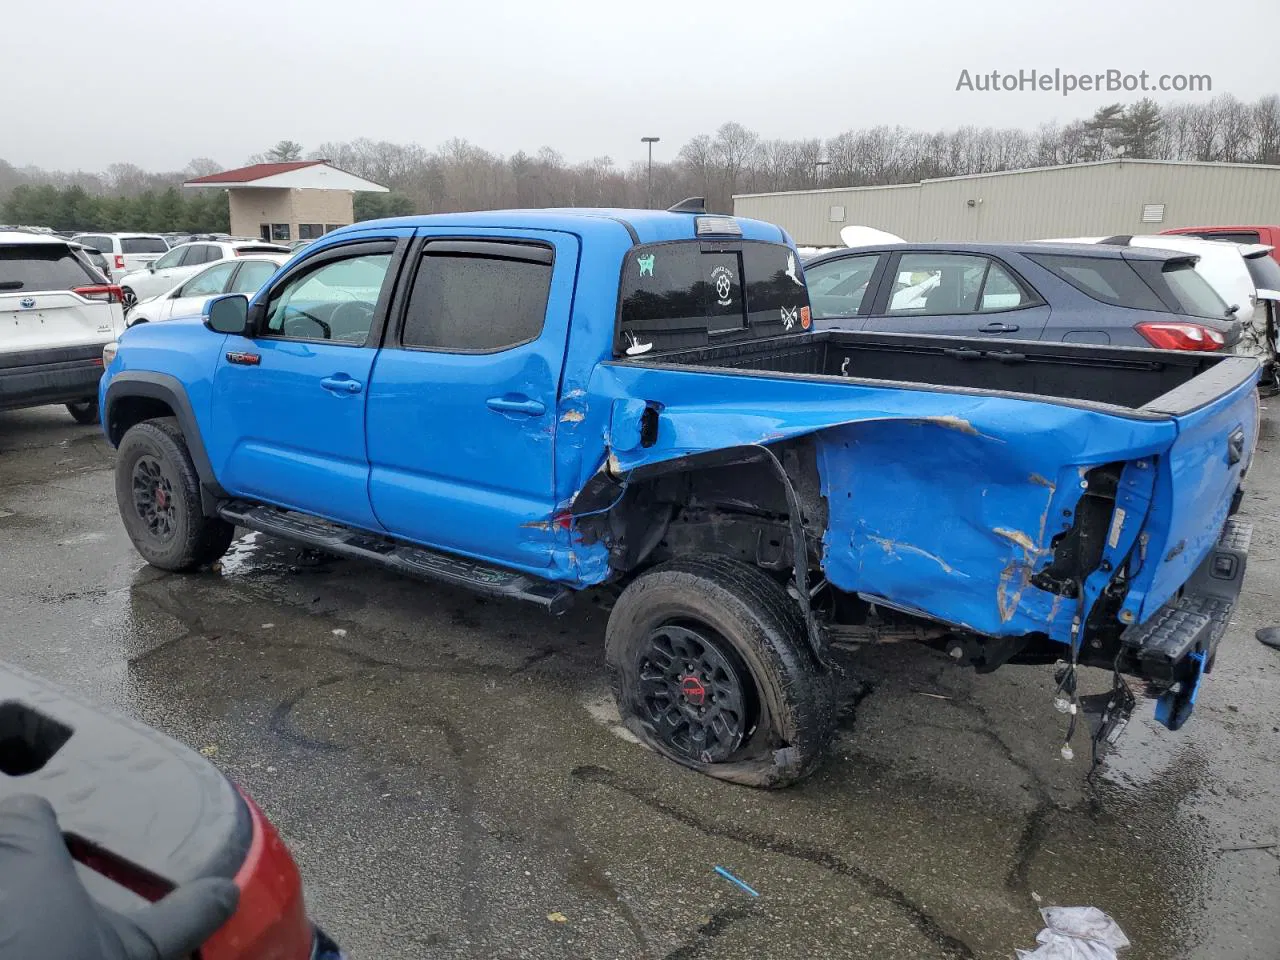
[532,408]
[342,385]
[999,328]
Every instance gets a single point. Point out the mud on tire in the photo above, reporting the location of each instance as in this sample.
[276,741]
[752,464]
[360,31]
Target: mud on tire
[750,631]
[158,493]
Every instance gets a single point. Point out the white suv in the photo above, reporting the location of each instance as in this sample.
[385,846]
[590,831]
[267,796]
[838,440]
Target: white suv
[183,261]
[56,315]
[125,252]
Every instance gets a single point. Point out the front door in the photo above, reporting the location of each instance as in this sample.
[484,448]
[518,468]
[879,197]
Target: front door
[462,412]
[188,299]
[957,295]
[289,404]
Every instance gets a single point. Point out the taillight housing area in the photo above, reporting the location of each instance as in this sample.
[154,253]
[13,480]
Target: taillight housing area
[1181,335]
[106,293]
[119,260]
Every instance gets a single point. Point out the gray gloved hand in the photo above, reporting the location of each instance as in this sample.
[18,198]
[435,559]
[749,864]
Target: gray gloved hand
[46,913]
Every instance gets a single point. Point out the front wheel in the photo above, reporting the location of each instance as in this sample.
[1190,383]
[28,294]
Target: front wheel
[84,412]
[711,667]
[158,493]
[128,299]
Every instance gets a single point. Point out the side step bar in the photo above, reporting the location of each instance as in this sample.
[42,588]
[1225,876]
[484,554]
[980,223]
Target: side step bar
[396,555]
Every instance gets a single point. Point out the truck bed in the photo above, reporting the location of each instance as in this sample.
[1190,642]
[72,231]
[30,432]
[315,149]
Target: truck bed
[1148,381]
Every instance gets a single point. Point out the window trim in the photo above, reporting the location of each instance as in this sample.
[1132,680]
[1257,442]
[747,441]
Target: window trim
[886,289]
[482,247]
[395,246]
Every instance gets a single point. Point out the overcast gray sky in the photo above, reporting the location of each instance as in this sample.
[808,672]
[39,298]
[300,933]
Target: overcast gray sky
[157,82]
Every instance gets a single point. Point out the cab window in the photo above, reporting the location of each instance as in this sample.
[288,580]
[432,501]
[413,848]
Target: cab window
[334,301]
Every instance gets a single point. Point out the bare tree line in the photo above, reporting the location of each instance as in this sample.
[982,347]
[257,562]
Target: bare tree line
[459,175]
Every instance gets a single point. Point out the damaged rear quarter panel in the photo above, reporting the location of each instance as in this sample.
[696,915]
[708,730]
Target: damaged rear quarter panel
[939,502]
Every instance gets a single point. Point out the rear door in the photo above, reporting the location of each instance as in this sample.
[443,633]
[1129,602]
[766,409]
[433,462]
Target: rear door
[956,294]
[49,298]
[288,407]
[462,409]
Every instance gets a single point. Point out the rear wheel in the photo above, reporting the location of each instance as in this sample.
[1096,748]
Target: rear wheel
[711,667]
[84,412]
[158,493]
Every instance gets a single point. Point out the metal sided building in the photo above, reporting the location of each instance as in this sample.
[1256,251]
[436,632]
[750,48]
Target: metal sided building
[1105,198]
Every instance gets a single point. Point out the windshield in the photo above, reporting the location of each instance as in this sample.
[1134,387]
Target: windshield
[686,293]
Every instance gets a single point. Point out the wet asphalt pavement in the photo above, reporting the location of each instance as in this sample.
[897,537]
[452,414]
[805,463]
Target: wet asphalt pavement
[447,772]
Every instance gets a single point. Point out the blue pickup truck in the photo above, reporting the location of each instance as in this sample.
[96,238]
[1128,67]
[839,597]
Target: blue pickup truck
[534,403]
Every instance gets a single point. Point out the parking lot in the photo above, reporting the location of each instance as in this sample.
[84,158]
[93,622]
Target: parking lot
[448,776]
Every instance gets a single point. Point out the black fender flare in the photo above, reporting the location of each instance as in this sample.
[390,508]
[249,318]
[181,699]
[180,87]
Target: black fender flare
[169,389]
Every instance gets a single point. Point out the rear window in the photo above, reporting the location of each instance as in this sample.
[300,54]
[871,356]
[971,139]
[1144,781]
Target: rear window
[1110,280]
[241,249]
[1239,236]
[687,293]
[44,266]
[1192,292]
[1264,271]
[143,245]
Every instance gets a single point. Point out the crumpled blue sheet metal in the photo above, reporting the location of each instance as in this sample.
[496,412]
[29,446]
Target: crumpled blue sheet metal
[938,503]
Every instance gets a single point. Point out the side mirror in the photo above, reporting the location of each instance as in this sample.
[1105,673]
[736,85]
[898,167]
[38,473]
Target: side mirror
[228,314]
[151,267]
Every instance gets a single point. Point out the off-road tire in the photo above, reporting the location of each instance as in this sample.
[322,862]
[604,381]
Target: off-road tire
[752,613]
[195,540]
[84,412]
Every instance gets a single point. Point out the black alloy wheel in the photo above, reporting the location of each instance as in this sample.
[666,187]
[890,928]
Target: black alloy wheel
[695,696]
[153,497]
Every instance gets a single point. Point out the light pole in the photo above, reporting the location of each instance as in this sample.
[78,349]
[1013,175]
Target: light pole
[650,141]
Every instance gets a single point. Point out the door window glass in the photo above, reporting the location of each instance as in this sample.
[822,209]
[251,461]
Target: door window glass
[208,283]
[481,303]
[335,301]
[1001,292]
[838,288]
[936,284]
[172,258]
[252,276]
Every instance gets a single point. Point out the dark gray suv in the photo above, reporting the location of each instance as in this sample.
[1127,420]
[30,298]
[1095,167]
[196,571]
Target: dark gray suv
[1076,293]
